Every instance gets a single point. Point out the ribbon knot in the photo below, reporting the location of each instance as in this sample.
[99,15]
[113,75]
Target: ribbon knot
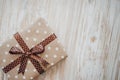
[39,63]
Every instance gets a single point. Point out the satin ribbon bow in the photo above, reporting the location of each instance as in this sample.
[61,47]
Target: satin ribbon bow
[39,63]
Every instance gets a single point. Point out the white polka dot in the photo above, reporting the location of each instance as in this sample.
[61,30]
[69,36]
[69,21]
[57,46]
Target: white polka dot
[55,56]
[4,60]
[31,77]
[62,57]
[28,31]
[52,64]
[49,48]
[45,32]
[2,67]
[33,45]
[11,60]
[27,38]
[26,70]
[8,45]
[56,48]
[6,53]
[16,45]
[37,31]
[34,70]
[34,39]
[29,62]
[24,77]
[16,77]
[43,39]
[39,24]
[17,69]
[8,76]
[46,56]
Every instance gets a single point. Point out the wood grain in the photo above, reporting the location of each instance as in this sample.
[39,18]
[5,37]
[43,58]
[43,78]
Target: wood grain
[89,30]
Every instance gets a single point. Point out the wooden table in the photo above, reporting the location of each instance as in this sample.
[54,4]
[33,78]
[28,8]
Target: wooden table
[88,29]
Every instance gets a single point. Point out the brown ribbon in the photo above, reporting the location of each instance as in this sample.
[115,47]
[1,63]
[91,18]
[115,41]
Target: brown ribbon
[39,63]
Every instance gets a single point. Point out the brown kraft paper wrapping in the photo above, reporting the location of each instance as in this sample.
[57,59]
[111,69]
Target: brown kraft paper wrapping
[54,52]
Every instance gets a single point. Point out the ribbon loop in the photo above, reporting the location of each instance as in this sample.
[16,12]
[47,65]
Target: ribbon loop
[39,63]
[15,50]
[37,49]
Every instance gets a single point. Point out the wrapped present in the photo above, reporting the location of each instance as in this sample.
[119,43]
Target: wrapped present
[31,52]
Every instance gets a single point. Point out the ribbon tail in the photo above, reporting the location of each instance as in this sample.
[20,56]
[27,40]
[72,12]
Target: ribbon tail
[42,61]
[23,65]
[37,65]
[12,65]
[15,50]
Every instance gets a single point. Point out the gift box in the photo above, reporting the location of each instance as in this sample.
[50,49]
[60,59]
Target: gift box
[31,52]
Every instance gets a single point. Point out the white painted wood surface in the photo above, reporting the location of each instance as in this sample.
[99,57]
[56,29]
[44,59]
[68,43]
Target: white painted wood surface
[89,30]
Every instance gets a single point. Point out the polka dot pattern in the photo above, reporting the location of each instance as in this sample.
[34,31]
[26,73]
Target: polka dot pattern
[37,31]
[8,76]
[46,56]
[62,57]
[31,77]
[2,67]
[34,70]
[11,60]
[27,38]
[16,45]
[43,39]
[24,77]
[34,39]
[52,64]
[45,32]
[4,60]
[6,53]
[56,48]
[33,45]
[17,69]
[29,62]
[26,70]
[53,56]
[16,77]
[49,48]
